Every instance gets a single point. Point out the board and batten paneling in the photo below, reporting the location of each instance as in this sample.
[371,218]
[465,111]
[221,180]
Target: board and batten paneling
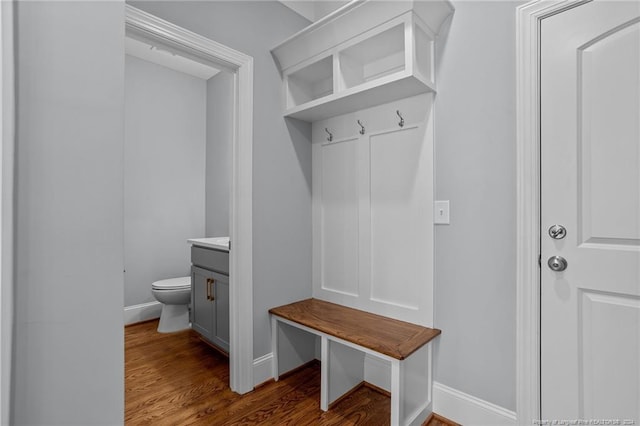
[339,242]
[373,210]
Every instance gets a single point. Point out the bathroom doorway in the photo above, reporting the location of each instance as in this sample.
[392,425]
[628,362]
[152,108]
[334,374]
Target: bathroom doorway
[188,173]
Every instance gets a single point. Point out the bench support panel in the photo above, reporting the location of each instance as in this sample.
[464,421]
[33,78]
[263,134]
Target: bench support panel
[343,368]
[418,386]
[293,347]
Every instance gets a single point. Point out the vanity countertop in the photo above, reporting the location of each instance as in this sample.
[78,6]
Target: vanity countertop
[218,243]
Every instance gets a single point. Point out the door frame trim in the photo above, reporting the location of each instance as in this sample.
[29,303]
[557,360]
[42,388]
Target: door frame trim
[241,210]
[7,204]
[528,32]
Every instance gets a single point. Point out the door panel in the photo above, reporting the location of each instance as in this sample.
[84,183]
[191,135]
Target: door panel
[608,138]
[201,308]
[610,360]
[590,168]
[221,311]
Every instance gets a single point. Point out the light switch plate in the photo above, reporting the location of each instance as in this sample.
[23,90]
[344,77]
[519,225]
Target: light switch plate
[441,212]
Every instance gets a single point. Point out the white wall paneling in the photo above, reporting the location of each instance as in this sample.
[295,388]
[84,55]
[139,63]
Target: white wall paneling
[340,216]
[373,210]
[399,231]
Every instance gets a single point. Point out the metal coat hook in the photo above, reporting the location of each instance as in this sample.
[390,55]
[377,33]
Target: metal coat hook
[362,127]
[330,138]
[401,122]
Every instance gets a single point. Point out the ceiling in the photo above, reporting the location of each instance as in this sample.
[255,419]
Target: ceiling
[314,10]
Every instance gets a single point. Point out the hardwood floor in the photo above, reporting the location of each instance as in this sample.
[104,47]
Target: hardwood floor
[177,379]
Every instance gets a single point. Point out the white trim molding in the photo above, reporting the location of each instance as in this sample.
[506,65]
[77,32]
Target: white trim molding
[142,312]
[528,19]
[467,409]
[142,24]
[7,160]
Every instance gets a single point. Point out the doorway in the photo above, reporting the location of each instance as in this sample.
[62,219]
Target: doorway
[142,25]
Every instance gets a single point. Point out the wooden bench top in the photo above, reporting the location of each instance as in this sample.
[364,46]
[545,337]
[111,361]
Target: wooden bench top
[397,339]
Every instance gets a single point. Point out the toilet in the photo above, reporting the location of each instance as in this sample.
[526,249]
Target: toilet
[175,296]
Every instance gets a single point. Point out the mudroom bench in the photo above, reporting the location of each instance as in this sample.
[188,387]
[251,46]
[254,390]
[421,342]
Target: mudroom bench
[348,335]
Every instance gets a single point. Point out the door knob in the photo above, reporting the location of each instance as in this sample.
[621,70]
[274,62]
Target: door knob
[557,232]
[557,263]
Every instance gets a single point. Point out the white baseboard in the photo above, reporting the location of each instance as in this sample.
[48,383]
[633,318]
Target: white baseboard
[467,409]
[142,312]
[262,369]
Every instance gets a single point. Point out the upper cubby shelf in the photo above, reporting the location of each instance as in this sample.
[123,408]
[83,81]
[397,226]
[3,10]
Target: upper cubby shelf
[364,54]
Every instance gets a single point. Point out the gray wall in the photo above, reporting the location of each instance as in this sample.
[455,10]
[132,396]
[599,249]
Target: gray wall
[218,169]
[281,150]
[475,296]
[68,354]
[164,174]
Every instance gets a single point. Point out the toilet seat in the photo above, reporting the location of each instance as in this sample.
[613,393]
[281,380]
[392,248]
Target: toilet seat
[180,283]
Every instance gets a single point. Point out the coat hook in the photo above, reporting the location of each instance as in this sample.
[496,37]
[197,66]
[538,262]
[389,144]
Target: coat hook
[401,122]
[362,127]
[330,138]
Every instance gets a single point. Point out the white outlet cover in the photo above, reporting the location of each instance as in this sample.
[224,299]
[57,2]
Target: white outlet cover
[441,212]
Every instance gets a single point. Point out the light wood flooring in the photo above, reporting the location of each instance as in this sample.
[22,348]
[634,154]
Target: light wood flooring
[177,379]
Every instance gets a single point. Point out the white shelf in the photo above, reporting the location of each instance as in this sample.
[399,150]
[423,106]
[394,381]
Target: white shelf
[391,88]
[365,54]
[309,83]
[375,57]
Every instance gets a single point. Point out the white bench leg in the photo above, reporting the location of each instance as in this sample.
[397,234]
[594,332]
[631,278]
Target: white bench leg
[342,371]
[397,392]
[411,388]
[324,374]
[274,348]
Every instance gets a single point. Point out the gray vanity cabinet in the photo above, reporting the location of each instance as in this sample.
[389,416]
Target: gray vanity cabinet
[210,295]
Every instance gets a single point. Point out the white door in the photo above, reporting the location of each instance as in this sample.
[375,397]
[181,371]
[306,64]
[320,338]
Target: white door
[590,326]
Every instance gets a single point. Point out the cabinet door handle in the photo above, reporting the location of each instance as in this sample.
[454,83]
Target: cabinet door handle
[208,288]
[213,289]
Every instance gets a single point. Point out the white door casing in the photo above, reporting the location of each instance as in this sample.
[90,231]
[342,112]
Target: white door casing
[590,184]
[241,222]
[7,189]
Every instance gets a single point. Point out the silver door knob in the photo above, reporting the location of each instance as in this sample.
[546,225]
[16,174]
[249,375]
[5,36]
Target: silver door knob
[557,263]
[557,232]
